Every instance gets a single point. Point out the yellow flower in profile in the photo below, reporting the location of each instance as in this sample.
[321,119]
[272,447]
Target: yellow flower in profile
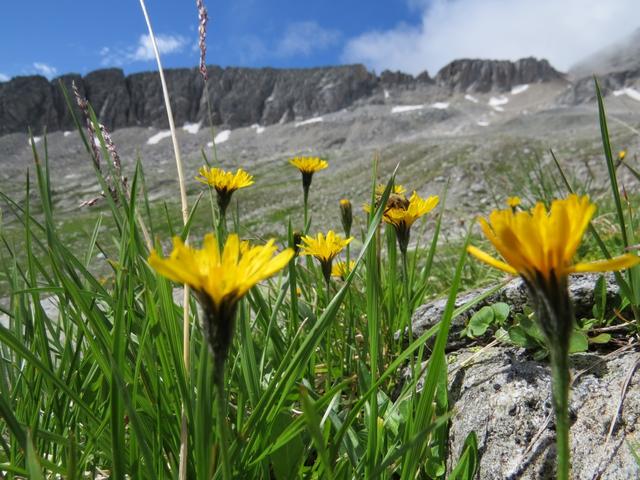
[309,165]
[622,154]
[324,249]
[220,278]
[342,269]
[225,183]
[540,245]
[513,202]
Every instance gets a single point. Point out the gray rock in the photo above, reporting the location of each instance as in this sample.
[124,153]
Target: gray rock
[147,101]
[27,102]
[109,96]
[504,397]
[473,75]
[583,90]
[581,289]
[65,120]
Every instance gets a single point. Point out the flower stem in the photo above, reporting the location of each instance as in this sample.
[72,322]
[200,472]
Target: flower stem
[306,209]
[221,420]
[560,394]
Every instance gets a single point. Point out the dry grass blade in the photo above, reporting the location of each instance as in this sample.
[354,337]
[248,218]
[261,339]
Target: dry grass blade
[185,218]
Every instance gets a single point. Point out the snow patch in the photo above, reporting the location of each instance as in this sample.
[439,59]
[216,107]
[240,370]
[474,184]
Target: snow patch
[159,136]
[258,128]
[497,101]
[498,109]
[440,105]
[67,133]
[471,98]
[309,121]
[519,89]
[221,137]
[629,92]
[483,123]
[386,94]
[406,108]
[192,128]
[35,140]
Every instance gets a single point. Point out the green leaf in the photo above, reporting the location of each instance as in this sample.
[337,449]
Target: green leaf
[32,460]
[578,342]
[600,339]
[501,312]
[468,462]
[480,322]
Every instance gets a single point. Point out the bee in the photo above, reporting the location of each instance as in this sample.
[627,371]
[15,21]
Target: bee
[397,201]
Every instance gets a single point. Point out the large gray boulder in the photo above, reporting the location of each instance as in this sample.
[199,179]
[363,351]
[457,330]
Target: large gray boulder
[514,293]
[504,397]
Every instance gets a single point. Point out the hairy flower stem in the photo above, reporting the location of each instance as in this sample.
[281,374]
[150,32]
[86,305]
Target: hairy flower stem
[305,227]
[221,420]
[560,394]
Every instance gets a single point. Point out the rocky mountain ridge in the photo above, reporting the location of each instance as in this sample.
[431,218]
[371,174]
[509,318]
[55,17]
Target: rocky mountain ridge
[240,96]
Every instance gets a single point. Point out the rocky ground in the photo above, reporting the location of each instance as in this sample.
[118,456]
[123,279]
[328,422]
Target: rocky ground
[484,146]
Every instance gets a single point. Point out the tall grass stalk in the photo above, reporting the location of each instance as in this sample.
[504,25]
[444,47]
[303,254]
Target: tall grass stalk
[185,216]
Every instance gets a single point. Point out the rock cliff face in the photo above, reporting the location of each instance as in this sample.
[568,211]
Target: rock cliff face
[583,90]
[238,96]
[501,75]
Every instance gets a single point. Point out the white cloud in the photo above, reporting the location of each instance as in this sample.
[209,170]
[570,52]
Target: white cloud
[45,70]
[561,31]
[143,50]
[4,78]
[166,44]
[302,38]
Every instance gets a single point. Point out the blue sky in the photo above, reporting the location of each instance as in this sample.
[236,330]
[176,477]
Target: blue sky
[53,37]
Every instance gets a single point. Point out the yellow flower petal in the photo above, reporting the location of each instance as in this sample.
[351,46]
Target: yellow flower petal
[309,164]
[223,277]
[616,263]
[488,259]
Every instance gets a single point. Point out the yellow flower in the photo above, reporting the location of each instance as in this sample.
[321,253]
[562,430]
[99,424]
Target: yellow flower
[513,202]
[404,217]
[220,279]
[402,214]
[224,277]
[324,249]
[309,165]
[225,183]
[622,154]
[341,269]
[539,244]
